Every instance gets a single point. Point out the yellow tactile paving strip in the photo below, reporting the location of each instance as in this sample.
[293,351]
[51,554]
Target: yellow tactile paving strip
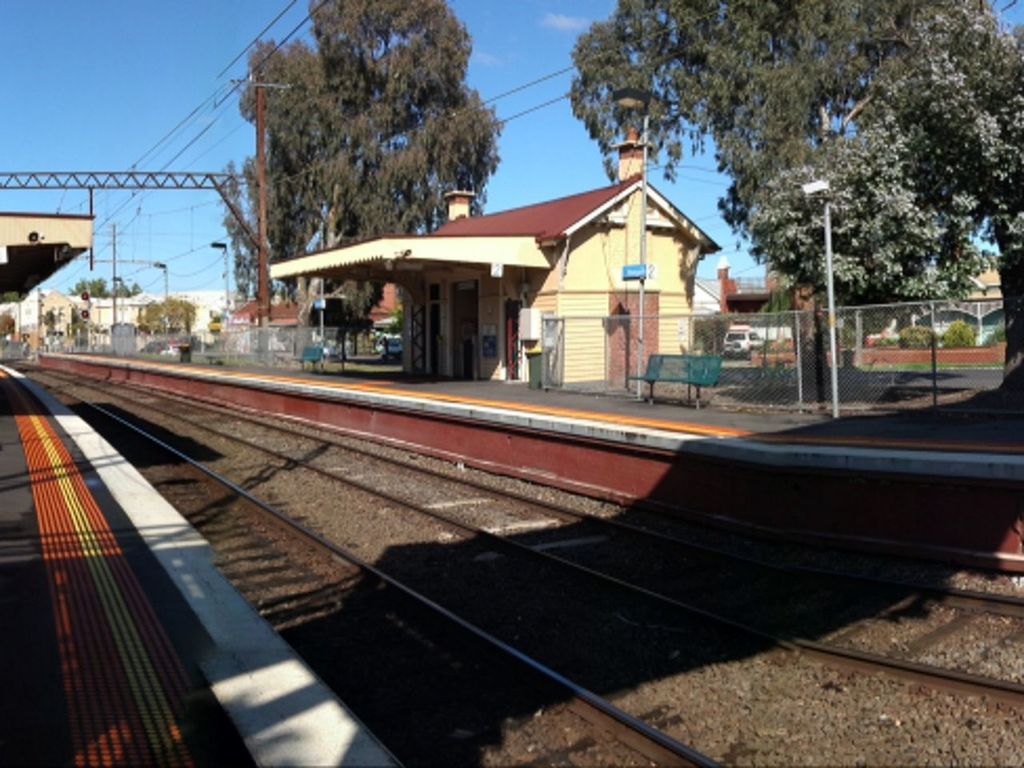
[123,682]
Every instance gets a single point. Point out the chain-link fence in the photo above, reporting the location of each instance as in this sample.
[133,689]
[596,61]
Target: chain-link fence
[912,354]
[272,347]
[894,355]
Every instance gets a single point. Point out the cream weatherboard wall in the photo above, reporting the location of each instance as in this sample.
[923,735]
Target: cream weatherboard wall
[586,287]
[584,337]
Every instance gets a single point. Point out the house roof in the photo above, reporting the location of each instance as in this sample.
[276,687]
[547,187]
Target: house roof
[712,288]
[556,219]
[544,221]
[280,314]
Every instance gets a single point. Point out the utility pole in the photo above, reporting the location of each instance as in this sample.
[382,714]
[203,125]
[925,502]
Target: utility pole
[262,247]
[113,280]
[263,289]
[39,320]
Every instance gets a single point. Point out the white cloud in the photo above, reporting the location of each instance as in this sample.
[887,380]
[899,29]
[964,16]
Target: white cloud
[564,23]
[486,59]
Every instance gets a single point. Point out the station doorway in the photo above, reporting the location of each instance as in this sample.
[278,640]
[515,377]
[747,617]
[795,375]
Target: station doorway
[465,327]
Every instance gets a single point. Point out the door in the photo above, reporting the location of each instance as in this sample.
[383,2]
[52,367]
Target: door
[465,325]
[434,330]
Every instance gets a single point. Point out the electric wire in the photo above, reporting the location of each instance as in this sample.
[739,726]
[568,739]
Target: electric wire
[221,102]
[256,39]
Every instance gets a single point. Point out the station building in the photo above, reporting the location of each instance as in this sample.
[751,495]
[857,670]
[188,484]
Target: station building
[475,291]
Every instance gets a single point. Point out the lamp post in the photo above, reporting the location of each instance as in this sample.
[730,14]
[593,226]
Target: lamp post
[637,98]
[810,189]
[161,265]
[223,247]
[167,309]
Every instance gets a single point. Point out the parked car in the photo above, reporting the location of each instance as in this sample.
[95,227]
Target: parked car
[154,348]
[742,343]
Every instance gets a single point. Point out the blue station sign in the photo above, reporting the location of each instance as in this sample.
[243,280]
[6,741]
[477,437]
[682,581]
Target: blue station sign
[637,272]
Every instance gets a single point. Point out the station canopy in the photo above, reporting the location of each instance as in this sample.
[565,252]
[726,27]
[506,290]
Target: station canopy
[35,245]
[400,253]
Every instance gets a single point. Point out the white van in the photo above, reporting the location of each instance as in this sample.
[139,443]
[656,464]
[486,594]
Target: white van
[741,342]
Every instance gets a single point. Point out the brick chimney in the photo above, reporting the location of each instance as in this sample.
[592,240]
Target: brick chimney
[459,201]
[725,285]
[631,155]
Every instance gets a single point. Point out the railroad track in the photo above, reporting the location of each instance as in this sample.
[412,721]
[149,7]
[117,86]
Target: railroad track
[650,744]
[964,606]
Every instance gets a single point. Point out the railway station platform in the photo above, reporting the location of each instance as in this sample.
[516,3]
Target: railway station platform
[122,643]
[934,484]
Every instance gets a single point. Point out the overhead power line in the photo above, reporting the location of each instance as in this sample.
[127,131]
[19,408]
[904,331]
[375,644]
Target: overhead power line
[256,39]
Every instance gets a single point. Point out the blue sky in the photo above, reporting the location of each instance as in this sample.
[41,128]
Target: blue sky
[95,85]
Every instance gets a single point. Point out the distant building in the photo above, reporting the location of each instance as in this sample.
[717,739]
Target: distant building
[986,286]
[742,294]
[281,315]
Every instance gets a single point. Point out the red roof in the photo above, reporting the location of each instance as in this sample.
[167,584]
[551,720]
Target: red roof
[544,221]
[280,314]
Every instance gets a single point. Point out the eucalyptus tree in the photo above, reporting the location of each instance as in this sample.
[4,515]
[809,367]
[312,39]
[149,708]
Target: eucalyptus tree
[908,107]
[368,125]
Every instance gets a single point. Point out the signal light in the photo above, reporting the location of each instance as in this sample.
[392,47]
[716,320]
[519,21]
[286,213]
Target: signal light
[84,314]
[85,295]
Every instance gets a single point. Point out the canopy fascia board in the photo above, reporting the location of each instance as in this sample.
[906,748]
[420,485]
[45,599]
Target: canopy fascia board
[29,229]
[433,249]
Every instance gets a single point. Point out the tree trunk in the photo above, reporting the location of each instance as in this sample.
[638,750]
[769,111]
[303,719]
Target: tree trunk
[1011,279]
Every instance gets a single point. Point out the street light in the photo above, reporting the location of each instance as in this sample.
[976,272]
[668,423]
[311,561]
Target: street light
[223,247]
[810,189]
[161,265]
[639,99]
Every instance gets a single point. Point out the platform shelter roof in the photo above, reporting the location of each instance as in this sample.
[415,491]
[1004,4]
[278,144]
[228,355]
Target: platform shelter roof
[415,252]
[35,245]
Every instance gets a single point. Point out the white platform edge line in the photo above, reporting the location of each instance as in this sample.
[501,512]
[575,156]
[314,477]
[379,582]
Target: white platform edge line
[283,711]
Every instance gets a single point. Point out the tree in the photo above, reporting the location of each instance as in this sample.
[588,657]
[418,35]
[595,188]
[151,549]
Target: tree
[96,288]
[7,326]
[375,125]
[909,108]
[170,316]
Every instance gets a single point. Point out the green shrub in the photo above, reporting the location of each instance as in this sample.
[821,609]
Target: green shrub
[998,336]
[916,337]
[959,334]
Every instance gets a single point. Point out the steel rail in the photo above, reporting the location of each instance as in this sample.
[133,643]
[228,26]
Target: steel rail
[998,604]
[935,677]
[628,729]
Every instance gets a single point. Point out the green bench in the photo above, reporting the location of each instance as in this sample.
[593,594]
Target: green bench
[692,370]
[312,354]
